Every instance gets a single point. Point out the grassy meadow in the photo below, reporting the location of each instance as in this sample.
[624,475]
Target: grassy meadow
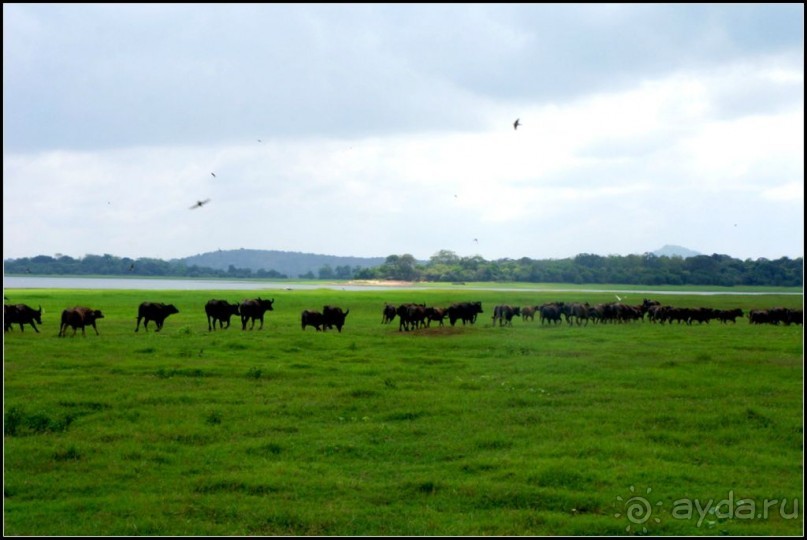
[606,429]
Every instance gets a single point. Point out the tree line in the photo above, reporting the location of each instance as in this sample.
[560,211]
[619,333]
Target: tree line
[447,266]
[646,269]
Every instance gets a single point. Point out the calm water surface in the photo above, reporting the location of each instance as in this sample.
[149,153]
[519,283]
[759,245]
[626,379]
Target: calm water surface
[25,282]
[33,282]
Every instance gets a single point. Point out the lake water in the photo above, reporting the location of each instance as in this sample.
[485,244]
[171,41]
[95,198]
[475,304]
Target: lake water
[35,282]
[25,282]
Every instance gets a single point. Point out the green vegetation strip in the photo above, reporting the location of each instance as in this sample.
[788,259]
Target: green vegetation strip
[533,429]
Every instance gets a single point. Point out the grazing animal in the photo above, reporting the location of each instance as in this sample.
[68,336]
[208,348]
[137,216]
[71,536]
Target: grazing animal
[776,315]
[726,315]
[312,318]
[152,311]
[435,314]
[254,309]
[647,304]
[551,312]
[21,314]
[465,311]
[795,316]
[505,314]
[759,316]
[221,311]
[388,314]
[411,316]
[416,315]
[333,316]
[576,312]
[79,317]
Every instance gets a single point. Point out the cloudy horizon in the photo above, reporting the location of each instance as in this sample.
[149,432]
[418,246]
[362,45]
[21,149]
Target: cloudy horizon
[369,130]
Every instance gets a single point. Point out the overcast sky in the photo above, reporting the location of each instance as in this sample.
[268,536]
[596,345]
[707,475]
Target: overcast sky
[370,130]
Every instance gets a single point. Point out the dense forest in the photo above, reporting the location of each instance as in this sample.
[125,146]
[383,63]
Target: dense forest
[447,266]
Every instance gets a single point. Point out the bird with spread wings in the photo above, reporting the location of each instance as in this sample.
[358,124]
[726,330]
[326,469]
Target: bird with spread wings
[199,204]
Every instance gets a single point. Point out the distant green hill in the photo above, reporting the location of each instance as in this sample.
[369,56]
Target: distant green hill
[291,263]
[675,251]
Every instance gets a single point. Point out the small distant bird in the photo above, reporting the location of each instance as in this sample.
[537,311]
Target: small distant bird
[131,267]
[516,123]
[199,204]
[476,240]
[213,175]
[260,140]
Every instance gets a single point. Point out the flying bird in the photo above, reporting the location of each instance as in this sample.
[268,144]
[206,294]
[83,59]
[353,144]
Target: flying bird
[516,123]
[199,204]
[131,267]
[213,175]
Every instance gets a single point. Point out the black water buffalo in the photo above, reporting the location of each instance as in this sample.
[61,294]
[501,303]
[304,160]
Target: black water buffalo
[776,315]
[312,318]
[435,314]
[576,312]
[333,316]
[703,315]
[795,316]
[388,314]
[726,315]
[79,317]
[657,313]
[152,311]
[22,315]
[647,304]
[403,315]
[254,309]
[465,311]
[550,312]
[411,316]
[504,314]
[221,311]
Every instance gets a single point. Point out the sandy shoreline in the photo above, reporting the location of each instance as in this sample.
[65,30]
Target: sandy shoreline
[380,283]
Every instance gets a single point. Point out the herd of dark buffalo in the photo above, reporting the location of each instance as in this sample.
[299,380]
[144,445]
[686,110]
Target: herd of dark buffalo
[217,311]
[413,316]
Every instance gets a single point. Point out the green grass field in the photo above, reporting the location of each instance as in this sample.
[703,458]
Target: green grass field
[609,429]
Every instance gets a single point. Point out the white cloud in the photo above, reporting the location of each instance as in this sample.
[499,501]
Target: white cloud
[792,192]
[372,143]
